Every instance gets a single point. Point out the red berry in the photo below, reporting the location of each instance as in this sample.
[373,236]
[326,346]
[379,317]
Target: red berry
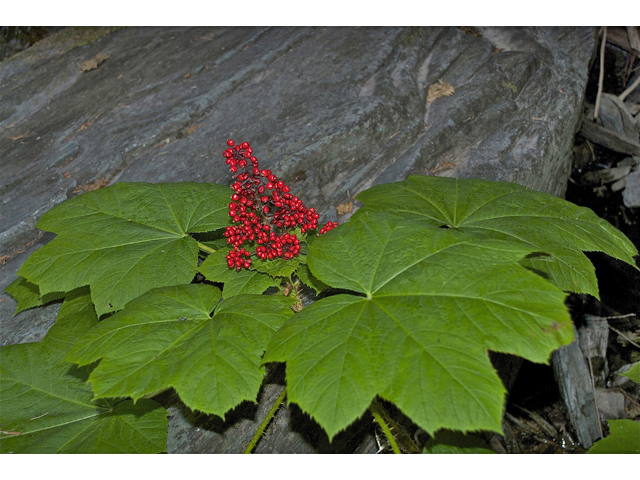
[231,143]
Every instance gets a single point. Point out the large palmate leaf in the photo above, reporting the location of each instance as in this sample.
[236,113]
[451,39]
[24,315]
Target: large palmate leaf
[278,267]
[126,239]
[167,338]
[448,442]
[27,294]
[215,269]
[306,277]
[502,210]
[47,407]
[427,305]
[624,437]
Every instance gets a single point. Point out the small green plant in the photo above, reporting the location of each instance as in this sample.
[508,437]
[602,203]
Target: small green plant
[624,435]
[425,279]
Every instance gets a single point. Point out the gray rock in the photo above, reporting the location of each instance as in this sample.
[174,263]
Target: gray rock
[331,110]
[631,192]
[610,404]
[615,116]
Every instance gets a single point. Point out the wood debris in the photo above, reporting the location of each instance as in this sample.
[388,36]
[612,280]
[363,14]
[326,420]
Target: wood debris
[437,90]
[443,165]
[608,138]
[192,128]
[100,183]
[93,63]
[344,208]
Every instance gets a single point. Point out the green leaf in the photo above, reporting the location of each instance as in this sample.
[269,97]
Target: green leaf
[47,407]
[167,338]
[218,244]
[624,437]
[428,303]
[215,269]
[306,277]
[633,373]
[450,442]
[27,295]
[278,267]
[125,239]
[502,210]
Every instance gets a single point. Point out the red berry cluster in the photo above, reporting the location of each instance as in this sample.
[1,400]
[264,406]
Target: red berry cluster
[328,226]
[262,206]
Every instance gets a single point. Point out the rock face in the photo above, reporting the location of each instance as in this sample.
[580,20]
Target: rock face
[331,110]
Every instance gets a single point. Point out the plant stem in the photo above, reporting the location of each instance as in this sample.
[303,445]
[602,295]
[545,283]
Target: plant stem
[202,246]
[266,421]
[378,414]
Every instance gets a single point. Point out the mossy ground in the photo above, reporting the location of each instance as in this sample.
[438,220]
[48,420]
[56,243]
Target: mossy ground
[64,40]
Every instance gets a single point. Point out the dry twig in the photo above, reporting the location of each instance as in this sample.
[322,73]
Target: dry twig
[634,38]
[601,75]
[595,404]
[630,89]
[623,335]
[626,395]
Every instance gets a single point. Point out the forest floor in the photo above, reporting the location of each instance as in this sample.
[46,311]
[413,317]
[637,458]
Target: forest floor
[537,420]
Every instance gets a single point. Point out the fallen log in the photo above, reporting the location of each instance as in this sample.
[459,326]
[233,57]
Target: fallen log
[608,138]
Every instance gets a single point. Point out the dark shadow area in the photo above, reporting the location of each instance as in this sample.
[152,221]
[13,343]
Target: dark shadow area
[245,410]
[534,386]
[347,441]
[16,39]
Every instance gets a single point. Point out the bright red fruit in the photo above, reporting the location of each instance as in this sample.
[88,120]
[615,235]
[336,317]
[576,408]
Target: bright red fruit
[261,216]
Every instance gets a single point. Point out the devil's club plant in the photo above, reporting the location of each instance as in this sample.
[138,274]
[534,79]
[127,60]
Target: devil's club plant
[423,281]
